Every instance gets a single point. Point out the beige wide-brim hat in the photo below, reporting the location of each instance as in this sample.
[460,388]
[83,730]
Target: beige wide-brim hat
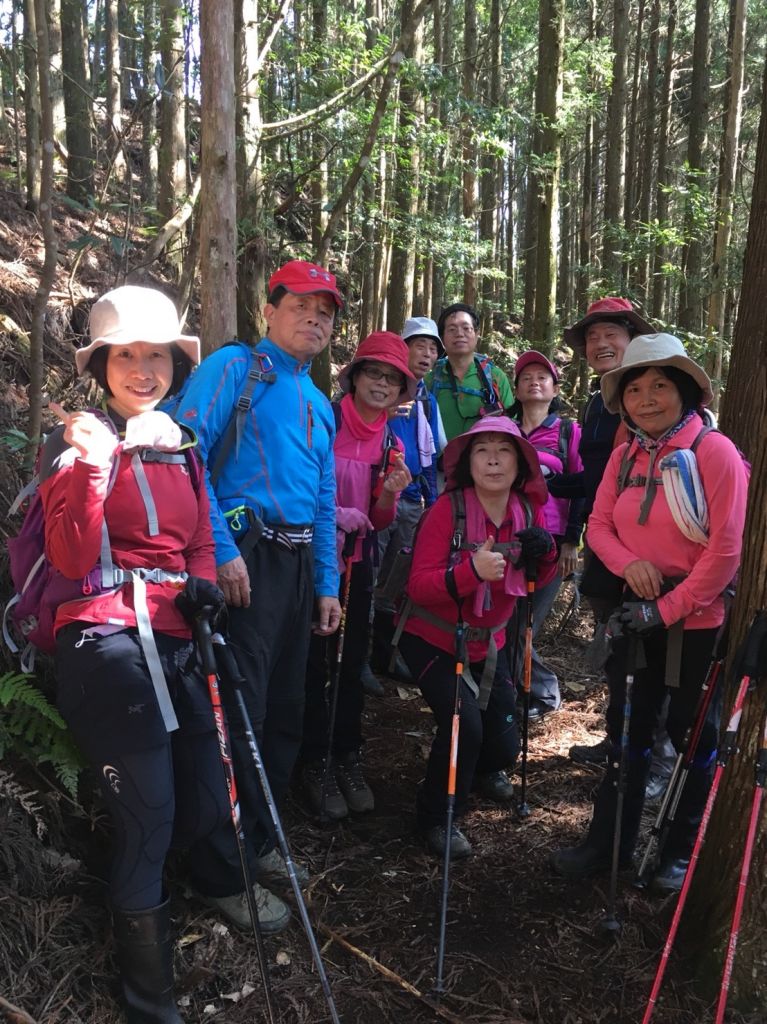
[129,314]
[653,350]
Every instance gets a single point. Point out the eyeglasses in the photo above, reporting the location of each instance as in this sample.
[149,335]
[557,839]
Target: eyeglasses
[373,373]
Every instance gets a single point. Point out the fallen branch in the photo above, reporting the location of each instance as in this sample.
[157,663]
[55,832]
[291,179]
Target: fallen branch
[392,976]
[173,226]
[14,1014]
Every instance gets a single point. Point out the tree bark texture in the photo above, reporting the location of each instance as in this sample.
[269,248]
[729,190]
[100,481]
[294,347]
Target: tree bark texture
[31,106]
[744,418]
[80,162]
[172,156]
[218,226]
[660,253]
[114,80]
[615,159]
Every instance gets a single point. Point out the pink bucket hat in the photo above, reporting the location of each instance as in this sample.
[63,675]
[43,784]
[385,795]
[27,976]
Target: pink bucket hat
[612,309]
[129,314]
[381,347]
[535,488]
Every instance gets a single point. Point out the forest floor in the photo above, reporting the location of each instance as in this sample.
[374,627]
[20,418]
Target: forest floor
[523,946]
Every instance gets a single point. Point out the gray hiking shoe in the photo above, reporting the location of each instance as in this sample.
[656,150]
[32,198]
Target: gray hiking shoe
[351,782]
[460,846]
[273,869]
[371,684]
[273,914]
[495,786]
[312,776]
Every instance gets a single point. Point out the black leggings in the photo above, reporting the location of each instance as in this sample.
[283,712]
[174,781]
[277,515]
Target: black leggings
[160,788]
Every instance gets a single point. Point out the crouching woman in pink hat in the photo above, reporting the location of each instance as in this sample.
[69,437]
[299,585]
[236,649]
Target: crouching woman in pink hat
[370,473]
[468,564]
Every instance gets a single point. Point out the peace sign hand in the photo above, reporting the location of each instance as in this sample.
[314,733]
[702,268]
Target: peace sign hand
[92,438]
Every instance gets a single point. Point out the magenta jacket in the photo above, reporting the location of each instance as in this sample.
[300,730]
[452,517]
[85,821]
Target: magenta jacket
[617,538]
[563,517]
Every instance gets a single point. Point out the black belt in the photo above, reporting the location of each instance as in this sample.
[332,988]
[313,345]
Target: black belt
[289,537]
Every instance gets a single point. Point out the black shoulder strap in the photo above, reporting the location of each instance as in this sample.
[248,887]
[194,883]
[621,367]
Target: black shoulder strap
[626,465]
[565,433]
[458,506]
[485,372]
[259,372]
[700,435]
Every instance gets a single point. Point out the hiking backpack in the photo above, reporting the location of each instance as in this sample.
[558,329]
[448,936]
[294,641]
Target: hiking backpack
[39,588]
[443,377]
[561,451]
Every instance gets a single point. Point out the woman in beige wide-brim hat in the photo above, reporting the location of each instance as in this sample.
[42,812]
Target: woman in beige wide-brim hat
[117,484]
[676,552]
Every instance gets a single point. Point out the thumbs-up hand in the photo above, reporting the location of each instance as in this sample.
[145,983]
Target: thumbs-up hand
[92,438]
[489,565]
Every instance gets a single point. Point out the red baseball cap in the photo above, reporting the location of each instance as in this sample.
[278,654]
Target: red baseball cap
[612,309]
[532,356]
[302,278]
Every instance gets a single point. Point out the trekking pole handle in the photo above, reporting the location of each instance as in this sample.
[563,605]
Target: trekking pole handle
[230,670]
[204,639]
[350,540]
[531,570]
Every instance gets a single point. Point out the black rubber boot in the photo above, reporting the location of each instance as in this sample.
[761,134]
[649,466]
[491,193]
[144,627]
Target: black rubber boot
[594,855]
[675,855]
[145,958]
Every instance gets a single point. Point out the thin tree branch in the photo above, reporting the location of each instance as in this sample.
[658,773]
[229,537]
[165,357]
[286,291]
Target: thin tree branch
[172,226]
[274,28]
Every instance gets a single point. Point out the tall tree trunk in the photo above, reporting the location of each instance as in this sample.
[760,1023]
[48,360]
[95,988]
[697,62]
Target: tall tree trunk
[727,165]
[172,156]
[530,246]
[488,187]
[251,261]
[218,226]
[548,99]
[53,17]
[511,236]
[632,133]
[690,298]
[660,250]
[47,275]
[149,153]
[744,418]
[405,199]
[615,159]
[469,89]
[114,81]
[80,163]
[31,106]
[648,149]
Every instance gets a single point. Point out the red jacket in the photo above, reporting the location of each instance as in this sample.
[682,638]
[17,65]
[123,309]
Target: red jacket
[427,587]
[75,505]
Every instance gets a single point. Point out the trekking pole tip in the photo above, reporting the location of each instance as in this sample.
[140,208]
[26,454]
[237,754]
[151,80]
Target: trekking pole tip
[609,926]
[523,810]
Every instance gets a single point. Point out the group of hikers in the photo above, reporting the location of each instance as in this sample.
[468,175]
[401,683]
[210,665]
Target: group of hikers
[258,503]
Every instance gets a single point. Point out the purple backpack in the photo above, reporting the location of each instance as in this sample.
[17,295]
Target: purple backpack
[40,588]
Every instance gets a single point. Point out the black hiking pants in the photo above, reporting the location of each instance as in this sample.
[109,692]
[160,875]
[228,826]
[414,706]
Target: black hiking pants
[488,740]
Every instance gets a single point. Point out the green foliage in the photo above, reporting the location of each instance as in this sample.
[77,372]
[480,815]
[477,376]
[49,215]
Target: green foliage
[32,728]
[13,440]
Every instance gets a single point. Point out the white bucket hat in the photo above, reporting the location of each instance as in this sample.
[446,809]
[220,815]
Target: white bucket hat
[129,314]
[653,350]
[422,327]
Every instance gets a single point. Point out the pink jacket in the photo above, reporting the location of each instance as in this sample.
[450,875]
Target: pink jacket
[617,538]
[556,511]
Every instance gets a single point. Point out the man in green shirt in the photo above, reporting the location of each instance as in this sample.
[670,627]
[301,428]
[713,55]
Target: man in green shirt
[465,383]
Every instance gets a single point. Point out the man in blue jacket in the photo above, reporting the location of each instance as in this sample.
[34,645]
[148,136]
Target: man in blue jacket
[419,426]
[270,476]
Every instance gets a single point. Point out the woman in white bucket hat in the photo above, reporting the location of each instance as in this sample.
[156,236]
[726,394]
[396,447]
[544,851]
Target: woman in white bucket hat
[673,579]
[127,523]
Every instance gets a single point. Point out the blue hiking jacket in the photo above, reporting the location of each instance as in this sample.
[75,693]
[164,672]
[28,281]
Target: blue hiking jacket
[284,470]
[405,426]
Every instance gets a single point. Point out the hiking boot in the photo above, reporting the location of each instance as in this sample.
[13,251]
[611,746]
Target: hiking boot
[371,684]
[670,875]
[460,847]
[580,861]
[351,782]
[312,776]
[495,786]
[538,711]
[144,949]
[272,868]
[401,671]
[273,915]
[655,787]
[592,753]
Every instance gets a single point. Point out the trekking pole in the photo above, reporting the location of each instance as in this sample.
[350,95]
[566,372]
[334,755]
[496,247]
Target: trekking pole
[233,677]
[748,852]
[667,811]
[335,678]
[610,925]
[204,637]
[752,665]
[531,575]
[460,659]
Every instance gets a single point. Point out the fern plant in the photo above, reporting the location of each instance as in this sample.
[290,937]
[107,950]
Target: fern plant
[32,728]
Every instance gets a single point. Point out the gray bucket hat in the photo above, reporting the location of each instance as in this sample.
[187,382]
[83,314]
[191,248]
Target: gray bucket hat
[653,350]
[131,313]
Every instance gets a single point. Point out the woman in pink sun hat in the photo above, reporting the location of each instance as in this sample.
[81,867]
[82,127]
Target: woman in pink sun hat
[469,559]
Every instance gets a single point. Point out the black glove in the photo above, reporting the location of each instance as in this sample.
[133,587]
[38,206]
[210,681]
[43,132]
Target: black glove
[640,617]
[535,542]
[197,594]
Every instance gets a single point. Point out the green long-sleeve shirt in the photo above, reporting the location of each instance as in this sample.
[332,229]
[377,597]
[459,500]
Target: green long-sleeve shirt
[460,402]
